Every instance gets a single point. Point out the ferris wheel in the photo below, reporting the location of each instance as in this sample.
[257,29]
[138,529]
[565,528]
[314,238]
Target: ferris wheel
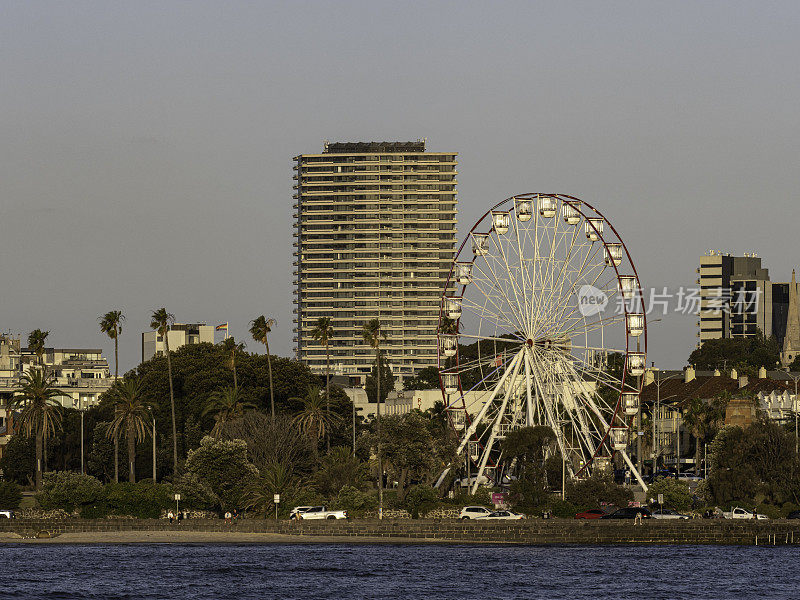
[546,326]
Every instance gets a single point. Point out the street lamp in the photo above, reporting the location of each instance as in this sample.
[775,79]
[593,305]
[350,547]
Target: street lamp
[152,414]
[658,382]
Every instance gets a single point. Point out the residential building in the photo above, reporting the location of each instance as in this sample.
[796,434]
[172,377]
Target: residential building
[375,236]
[738,299]
[179,335]
[81,374]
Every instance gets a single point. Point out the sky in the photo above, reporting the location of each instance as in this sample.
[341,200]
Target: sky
[146,147]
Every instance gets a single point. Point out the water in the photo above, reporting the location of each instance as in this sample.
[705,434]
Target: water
[411,572]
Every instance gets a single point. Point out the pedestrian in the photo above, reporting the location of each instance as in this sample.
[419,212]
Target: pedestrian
[638,519]
[171,517]
[235,515]
[180,517]
[227,516]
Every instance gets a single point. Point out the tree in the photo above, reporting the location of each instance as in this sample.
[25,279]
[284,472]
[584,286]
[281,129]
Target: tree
[36,341]
[426,379]
[161,321]
[40,412]
[372,335]
[230,346]
[323,332]
[529,445]
[676,493]
[746,355]
[411,451]
[704,418]
[223,466]
[339,468]
[260,327]
[314,419]
[225,404]
[385,385]
[111,325]
[19,460]
[130,414]
[277,478]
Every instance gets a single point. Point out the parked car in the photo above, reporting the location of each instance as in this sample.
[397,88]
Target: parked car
[629,512]
[474,512]
[668,514]
[502,514]
[7,514]
[795,514]
[743,513]
[319,512]
[298,509]
[689,477]
[592,513]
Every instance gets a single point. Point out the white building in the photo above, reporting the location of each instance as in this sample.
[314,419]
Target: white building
[180,334]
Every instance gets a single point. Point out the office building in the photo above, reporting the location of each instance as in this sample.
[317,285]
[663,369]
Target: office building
[179,335]
[375,235]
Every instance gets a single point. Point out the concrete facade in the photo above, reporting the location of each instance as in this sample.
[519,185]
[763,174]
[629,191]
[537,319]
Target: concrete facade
[375,234]
[180,334]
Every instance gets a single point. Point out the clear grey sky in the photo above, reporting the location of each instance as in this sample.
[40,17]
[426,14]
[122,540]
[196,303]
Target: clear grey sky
[145,147]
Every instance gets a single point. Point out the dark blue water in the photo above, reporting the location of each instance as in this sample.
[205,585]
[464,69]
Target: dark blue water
[171,571]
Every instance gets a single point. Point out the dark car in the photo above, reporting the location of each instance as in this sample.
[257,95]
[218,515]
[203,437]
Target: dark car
[795,514]
[629,512]
[592,513]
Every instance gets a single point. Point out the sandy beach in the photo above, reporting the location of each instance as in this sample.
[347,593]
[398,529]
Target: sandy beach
[203,537]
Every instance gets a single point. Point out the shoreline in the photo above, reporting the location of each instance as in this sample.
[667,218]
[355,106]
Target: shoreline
[555,532]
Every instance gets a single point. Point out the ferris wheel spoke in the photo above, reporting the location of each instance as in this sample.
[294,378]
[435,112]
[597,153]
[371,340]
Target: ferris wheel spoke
[511,278]
[518,320]
[483,312]
[559,281]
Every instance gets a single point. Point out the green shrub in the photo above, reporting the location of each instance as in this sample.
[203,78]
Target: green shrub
[143,500]
[772,511]
[421,499]
[677,493]
[563,508]
[597,489]
[68,490]
[95,511]
[354,501]
[481,497]
[10,495]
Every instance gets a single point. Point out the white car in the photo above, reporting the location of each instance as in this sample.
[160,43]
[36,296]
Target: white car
[7,514]
[502,514]
[298,509]
[318,512]
[474,512]
[667,514]
[741,513]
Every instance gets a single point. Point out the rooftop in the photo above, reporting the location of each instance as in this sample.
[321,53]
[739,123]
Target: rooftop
[382,147]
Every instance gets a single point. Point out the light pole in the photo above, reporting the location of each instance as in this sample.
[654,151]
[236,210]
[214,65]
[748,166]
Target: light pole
[80,401]
[656,451]
[153,416]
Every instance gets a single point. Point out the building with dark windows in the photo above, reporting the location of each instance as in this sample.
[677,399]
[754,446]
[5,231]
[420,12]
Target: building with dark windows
[375,233]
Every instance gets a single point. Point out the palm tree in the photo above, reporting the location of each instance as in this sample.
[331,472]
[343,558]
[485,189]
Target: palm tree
[161,321]
[227,405]
[130,413]
[40,413]
[372,335]
[259,329]
[111,325]
[36,340]
[323,332]
[275,478]
[230,345]
[313,419]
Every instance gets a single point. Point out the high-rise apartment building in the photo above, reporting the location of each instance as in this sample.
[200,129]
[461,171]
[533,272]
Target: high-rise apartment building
[737,298]
[375,236]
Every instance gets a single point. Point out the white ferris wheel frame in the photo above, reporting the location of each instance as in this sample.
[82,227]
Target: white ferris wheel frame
[543,380]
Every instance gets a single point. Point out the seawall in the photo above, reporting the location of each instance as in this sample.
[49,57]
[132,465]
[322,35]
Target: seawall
[532,531]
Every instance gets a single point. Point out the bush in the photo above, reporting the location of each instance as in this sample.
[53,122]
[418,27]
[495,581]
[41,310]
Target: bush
[421,499]
[677,493]
[95,511]
[481,497]
[563,508]
[143,500]
[67,490]
[354,501]
[597,489]
[772,511]
[10,495]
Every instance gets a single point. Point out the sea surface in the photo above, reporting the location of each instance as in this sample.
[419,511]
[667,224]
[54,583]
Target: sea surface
[171,571]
